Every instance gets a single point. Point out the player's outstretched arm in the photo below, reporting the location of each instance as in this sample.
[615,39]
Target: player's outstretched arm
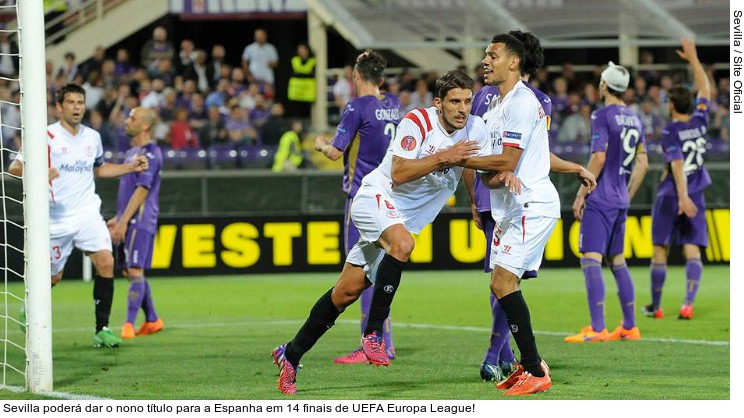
[111,170]
[689,54]
[406,170]
[559,165]
[323,145]
[506,161]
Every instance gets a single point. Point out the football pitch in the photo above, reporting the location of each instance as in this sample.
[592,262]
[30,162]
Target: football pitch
[220,330]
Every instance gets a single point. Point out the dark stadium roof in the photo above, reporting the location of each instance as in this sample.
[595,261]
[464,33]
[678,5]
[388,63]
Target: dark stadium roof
[559,23]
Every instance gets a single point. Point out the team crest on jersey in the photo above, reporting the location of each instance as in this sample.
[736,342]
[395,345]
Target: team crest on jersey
[393,214]
[408,143]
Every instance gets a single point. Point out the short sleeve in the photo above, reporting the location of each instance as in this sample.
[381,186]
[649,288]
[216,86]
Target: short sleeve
[409,137]
[518,121]
[99,161]
[146,178]
[671,145]
[600,135]
[351,121]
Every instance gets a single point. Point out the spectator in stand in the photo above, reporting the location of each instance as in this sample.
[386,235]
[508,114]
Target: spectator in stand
[198,71]
[665,83]
[93,90]
[591,96]
[185,95]
[406,80]
[640,87]
[651,120]
[723,122]
[276,124]
[106,105]
[167,110]
[239,129]
[631,100]
[166,72]
[343,89]
[197,111]
[247,98]
[98,122]
[183,63]
[108,74]
[156,50]
[95,63]
[8,56]
[259,60]
[568,74]
[154,98]
[238,82]
[422,97]
[11,114]
[69,69]
[561,102]
[123,67]
[649,75]
[289,156]
[181,133]
[213,132]
[301,88]
[218,97]
[260,113]
[216,62]
[577,127]
[406,104]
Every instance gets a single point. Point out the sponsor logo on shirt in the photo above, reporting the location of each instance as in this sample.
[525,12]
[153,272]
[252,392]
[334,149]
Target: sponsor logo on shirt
[512,135]
[80,166]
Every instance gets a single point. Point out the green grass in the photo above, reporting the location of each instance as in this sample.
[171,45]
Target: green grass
[220,332]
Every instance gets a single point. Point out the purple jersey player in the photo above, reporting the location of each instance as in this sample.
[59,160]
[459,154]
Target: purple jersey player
[620,162]
[499,360]
[367,125]
[134,227]
[679,211]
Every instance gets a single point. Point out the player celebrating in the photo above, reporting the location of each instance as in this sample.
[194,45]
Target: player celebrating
[134,227]
[680,204]
[75,158]
[418,174]
[620,162]
[518,129]
[367,125]
[499,360]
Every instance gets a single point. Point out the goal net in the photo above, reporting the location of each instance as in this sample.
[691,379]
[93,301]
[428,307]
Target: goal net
[25,294]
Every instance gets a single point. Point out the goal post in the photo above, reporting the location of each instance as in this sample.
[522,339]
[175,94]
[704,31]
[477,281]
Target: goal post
[32,71]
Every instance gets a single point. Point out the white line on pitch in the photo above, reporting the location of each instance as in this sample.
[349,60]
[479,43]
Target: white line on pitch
[407,325]
[58,395]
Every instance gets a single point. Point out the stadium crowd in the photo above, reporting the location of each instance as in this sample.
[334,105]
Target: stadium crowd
[217,111]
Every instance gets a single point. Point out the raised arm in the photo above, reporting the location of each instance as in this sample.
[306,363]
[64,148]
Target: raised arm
[689,54]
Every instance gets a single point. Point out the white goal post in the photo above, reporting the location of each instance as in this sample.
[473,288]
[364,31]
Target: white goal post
[36,190]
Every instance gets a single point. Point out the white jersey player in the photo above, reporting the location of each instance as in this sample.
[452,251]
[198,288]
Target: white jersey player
[75,158]
[418,174]
[518,130]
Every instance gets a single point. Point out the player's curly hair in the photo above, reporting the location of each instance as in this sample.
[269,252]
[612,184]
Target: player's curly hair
[370,65]
[533,52]
[453,79]
[69,88]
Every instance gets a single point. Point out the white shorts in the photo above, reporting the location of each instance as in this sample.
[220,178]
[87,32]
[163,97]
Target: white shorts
[88,233]
[519,243]
[373,211]
[366,254]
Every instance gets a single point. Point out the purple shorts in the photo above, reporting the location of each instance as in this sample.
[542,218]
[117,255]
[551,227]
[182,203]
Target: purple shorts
[602,230]
[488,224]
[136,251]
[666,225]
